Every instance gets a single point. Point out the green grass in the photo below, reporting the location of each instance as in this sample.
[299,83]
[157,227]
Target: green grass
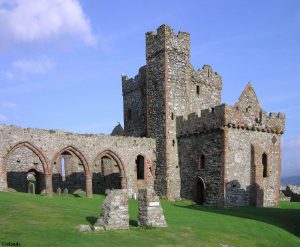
[42,221]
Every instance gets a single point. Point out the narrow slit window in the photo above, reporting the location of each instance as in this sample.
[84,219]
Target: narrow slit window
[202,161]
[265,165]
[198,89]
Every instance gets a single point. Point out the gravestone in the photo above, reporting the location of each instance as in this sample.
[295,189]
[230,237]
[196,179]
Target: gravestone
[150,212]
[66,192]
[58,191]
[114,211]
[31,188]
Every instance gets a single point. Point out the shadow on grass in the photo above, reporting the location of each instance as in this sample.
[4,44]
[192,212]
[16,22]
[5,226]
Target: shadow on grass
[288,219]
[76,195]
[91,219]
[133,223]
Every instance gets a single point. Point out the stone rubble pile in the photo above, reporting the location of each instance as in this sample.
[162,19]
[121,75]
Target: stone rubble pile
[292,192]
[115,214]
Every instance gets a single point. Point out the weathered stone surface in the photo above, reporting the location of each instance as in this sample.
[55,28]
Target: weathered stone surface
[204,149]
[92,163]
[118,130]
[150,212]
[114,214]
[83,228]
[66,192]
[58,191]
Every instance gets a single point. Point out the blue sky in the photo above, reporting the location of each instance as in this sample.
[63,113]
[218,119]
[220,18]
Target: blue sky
[61,60]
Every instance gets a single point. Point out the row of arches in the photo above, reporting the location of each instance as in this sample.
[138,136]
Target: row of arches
[68,168]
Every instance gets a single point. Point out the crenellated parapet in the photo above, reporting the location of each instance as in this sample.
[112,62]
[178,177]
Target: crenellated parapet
[132,84]
[225,116]
[206,76]
[165,39]
[209,119]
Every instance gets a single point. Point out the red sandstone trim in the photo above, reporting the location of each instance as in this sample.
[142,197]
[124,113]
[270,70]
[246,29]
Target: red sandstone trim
[119,162]
[34,149]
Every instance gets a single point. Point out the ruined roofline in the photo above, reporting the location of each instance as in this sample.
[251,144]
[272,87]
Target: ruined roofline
[133,83]
[205,67]
[162,29]
[11,128]
[226,116]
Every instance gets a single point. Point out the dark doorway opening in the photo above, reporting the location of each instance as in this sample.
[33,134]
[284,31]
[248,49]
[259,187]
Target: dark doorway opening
[33,176]
[198,192]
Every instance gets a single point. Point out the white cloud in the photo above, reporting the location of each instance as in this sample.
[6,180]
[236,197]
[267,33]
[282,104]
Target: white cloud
[23,67]
[36,20]
[2,118]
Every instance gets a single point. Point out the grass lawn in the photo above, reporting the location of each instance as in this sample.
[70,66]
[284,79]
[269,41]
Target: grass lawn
[41,221]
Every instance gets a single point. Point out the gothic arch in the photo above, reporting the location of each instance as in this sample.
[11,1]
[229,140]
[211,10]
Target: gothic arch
[76,152]
[119,162]
[34,149]
[79,154]
[42,158]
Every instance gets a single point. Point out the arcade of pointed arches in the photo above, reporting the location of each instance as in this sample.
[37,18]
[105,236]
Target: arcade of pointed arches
[48,165]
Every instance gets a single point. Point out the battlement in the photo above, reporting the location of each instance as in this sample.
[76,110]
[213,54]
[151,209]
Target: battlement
[207,76]
[165,39]
[225,116]
[131,84]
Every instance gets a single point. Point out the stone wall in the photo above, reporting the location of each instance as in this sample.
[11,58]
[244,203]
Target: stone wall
[173,89]
[209,167]
[134,104]
[244,179]
[43,148]
[185,117]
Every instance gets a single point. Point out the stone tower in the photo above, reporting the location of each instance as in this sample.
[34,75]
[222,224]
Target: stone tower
[167,87]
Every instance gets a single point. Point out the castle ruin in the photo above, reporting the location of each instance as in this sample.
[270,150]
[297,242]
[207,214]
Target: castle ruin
[177,138]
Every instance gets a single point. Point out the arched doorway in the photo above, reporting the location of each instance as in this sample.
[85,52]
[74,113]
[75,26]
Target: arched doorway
[23,158]
[198,191]
[70,171]
[33,176]
[108,172]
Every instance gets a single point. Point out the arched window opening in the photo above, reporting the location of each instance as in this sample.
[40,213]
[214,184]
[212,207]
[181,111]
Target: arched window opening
[198,89]
[63,169]
[202,161]
[265,165]
[140,167]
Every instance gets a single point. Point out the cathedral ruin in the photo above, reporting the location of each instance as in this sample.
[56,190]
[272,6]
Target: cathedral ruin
[178,139]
